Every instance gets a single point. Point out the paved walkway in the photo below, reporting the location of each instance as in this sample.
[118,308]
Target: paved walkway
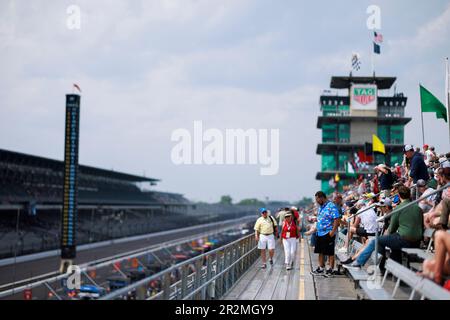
[275,283]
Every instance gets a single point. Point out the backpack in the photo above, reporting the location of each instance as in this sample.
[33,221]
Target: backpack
[275,229]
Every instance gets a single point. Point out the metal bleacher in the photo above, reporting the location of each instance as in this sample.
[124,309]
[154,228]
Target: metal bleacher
[420,286]
[405,284]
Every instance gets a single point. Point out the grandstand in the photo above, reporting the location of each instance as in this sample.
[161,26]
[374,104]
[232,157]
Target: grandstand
[110,205]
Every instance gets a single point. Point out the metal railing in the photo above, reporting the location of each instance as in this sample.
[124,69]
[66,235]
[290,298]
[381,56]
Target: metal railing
[372,206]
[207,276]
[53,277]
[383,218]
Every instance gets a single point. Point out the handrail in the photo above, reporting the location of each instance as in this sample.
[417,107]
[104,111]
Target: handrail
[348,209]
[364,210]
[111,260]
[383,218]
[207,283]
[158,275]
[413,202]
[373,205]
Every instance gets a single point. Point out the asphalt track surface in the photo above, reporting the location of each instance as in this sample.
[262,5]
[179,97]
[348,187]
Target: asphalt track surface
[29,269]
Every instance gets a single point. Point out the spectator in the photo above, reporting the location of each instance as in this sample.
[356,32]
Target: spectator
[429,154]
[327,224]
[365,223]
[444,222]
[385,207]
[405,231]
[295,213]
[280,216]
[432,218]
[427,203]
[418,168]
[386,178]
[398,171]
[265,232]
[289,236]
[432,183]
[337,201]
[438,268]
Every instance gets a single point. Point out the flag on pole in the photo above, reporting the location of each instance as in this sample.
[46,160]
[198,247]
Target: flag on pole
[356,62]
[337,178]
[429,103]
[350,170]
[77,87]
[377,145]
[447,93]
[378,37]
[376,48]
[377,40]
[332,183]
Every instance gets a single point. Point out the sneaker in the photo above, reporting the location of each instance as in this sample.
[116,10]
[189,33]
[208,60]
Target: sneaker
[352,266]
[348,261]
[337,273]
[271,262]
[263,266]
[288,268]
[318,272]
[328,273]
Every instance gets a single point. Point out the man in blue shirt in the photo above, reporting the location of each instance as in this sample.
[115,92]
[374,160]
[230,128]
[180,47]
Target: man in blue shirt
[418,169]
[328,218]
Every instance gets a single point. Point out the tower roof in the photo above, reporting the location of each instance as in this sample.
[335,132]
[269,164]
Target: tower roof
[345,81]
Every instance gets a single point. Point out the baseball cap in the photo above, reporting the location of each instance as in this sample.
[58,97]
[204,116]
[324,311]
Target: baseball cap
[288,214]
[421,183]
[425,146]
[369,195]
[408,147]
[262,210]
[385,202]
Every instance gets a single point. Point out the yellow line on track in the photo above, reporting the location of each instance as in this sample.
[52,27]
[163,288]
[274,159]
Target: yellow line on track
[301,293]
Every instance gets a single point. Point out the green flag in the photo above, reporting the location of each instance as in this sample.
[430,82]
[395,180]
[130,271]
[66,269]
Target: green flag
[432,104]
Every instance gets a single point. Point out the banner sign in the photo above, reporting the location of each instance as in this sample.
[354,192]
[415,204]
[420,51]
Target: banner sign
[363,97]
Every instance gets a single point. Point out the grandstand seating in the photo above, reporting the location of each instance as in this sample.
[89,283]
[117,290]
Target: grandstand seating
[355,246]
[418,285]
[27,180]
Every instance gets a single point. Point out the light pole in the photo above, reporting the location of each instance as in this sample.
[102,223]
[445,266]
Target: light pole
[15,247]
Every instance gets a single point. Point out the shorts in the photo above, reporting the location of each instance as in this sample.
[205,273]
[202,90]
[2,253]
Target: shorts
[312,240]
[325,245]
[266,242]
[363,233]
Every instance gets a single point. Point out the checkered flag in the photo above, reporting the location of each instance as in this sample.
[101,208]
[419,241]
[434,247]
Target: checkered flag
[356,62]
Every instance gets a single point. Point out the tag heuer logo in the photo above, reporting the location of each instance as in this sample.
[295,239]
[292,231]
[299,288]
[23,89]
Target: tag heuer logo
[364,95]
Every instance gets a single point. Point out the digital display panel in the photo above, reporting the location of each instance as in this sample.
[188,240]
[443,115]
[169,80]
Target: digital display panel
[70,184]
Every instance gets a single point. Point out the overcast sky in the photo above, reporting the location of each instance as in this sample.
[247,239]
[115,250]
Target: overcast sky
[149,67]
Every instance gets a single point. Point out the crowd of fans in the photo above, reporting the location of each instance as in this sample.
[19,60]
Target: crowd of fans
[389,192]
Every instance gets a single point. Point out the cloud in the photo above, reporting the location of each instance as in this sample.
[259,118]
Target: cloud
[149,67]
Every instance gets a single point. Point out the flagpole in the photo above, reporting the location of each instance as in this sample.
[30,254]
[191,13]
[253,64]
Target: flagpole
[421,115]
[373,61]
[447,94]
[423,131]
